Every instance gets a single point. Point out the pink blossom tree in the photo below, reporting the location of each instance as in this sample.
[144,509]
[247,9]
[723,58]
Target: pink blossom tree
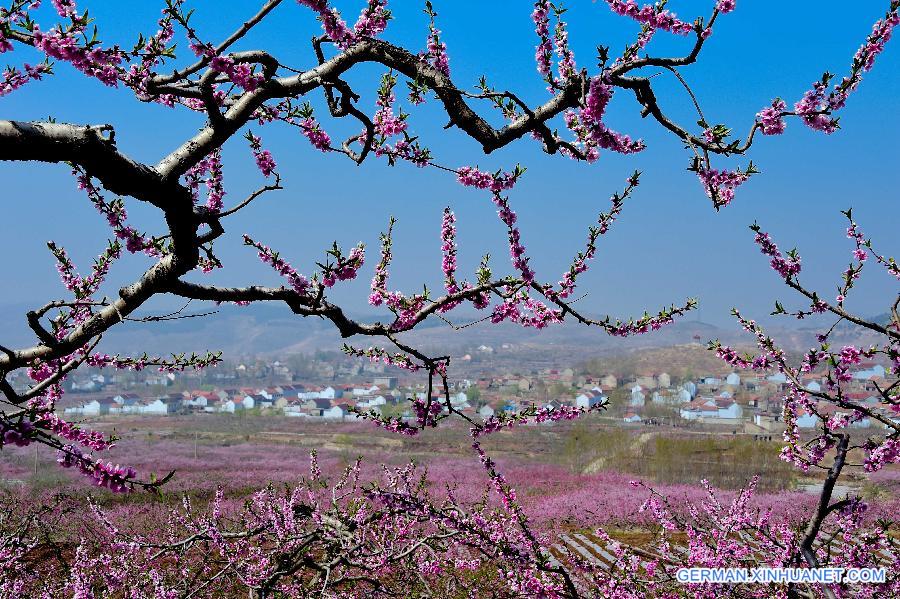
[240,90]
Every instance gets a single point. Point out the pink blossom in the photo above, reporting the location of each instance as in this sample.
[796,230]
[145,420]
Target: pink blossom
[651,15]
[771,118]
[317,137]
[720,185]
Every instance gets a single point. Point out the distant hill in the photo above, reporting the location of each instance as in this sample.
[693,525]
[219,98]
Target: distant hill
[273,329]
[681,361]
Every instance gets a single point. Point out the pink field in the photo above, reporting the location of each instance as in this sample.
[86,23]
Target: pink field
[552,494]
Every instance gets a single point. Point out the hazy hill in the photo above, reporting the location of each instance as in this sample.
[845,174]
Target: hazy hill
[269,329]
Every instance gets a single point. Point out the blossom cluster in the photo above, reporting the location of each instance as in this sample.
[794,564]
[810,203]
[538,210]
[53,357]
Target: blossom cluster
[315,134]
[389,423]
[832,405]
[379,279]
[864,248]
[305,120]
[16,433]
[647,322]
[543,54]
[377,354]
[591,132]
[239,73]
[346,267]
[720,185]
[426,411]
[264,161]
[209,171]
[771,118]
[527,311]
[436,55]
[498,181]
[386,123]
[653,15]
[604,220]
[816,106]
[566,67]
[12,78]
[299,283]
[371,22]
[104,474]
[63,44]
[116,216]
[62,428]
[332,23]
[178,362]
[787,267]
[373,19]
[531,415]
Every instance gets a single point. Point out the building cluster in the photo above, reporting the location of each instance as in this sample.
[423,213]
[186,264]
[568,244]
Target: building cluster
[754,400]
[336,402]
[750,401]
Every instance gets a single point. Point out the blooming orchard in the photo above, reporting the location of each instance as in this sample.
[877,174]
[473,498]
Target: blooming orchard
[389,536]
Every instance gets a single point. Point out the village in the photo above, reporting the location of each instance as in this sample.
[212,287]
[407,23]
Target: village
[746,402]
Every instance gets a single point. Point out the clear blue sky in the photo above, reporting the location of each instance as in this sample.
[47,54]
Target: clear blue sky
[669,244]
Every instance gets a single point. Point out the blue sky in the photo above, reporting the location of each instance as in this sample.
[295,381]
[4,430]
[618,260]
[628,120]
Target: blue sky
[669,243]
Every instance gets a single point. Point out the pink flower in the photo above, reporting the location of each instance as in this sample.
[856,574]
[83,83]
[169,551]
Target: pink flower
[725,6]
[771,119]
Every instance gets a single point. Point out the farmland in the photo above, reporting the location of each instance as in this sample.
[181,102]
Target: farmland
[574,475]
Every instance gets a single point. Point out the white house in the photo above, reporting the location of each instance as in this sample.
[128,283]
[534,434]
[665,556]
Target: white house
[97,407]
[699,408]
[733,379]
[253,401]
[778,377]
[126,398]
[589,400]
[637,397]
[315,393]
[372,390]
[371,402]
[160,405]
[728,409]
[708,407]
[230,406]
[197,401]
[684,395]
[631,417]
[459,400]
[333,413]
[486,412]
[259,400]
